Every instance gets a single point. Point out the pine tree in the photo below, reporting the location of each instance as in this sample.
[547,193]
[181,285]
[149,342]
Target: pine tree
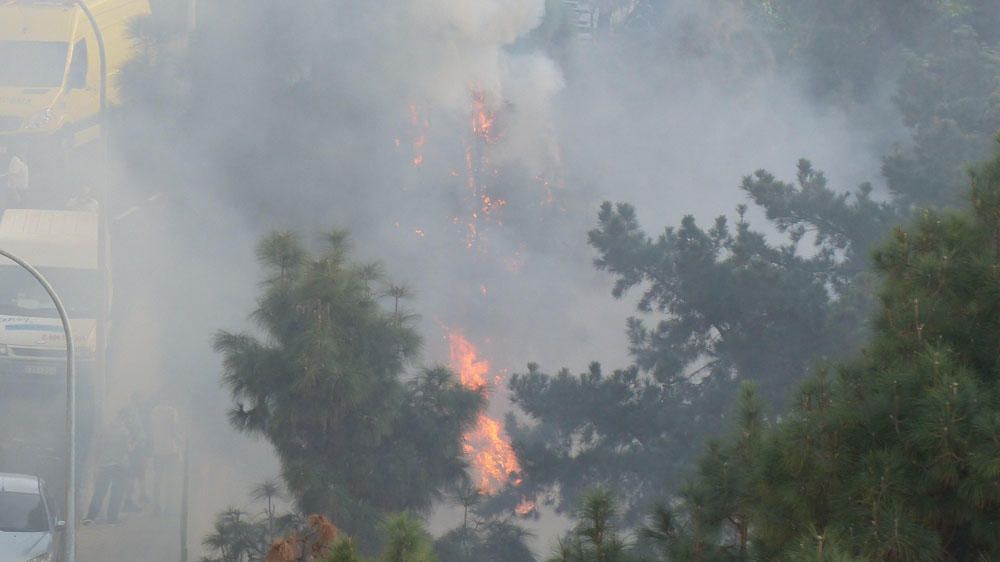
[894,457]
[596,536]
[482,537]
[326,387]
[344,551]
[720,504]
[717,306]
[405,539]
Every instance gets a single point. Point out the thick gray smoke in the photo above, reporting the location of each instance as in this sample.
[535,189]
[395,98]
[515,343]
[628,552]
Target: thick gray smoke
[364,116]
[460,45]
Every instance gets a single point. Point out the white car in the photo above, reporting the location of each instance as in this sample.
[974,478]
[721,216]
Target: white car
[28,529]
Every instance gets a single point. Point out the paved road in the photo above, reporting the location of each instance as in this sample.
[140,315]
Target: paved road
[149,353]
[142,537]
[133,366]
[160,336]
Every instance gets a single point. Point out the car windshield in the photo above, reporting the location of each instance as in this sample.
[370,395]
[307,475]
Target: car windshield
[32,63]
[22,513]
[22,295]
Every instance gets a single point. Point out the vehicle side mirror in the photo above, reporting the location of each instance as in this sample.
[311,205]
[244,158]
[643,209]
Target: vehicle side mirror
[60,525]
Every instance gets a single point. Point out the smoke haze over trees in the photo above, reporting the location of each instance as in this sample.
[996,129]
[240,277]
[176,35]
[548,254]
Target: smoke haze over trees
[469,147]
[892,456]
[732,306]
[732,303]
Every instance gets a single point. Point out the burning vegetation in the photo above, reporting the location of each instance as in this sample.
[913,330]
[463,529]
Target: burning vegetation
[722,302]
[420,124]
[486,446]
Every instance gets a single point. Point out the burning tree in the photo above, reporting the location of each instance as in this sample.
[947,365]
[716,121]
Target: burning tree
[326,387]
[239,536]
[486,445]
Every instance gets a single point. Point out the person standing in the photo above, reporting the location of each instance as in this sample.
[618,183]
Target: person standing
[137,423]
[83,201]
[16,180]
[112,471]
[164,424]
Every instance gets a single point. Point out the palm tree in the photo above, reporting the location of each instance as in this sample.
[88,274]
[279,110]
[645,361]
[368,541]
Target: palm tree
[468,496]
[370,273]
[268,491]
[344,551]
[482,538]
[662,528]
[567,550]
[504,541]
[234,538]
[282,251]
[398,293]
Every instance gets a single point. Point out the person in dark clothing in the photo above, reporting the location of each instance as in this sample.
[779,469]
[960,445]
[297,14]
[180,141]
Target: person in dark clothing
[140,451]
[112,471]
[14,178]
[165,435]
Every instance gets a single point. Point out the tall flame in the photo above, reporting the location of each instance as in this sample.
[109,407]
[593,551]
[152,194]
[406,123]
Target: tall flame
[420,125]
[480,172]
[487,447]
[482,118]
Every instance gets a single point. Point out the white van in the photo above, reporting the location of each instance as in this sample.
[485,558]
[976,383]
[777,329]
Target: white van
[63,246]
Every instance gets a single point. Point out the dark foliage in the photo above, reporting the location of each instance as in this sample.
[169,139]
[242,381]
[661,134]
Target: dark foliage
[729,305]
[894,457]
[326,388]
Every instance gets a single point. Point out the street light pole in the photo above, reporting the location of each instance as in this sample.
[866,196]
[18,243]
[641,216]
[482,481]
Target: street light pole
[102,55]
[102,197]
[185,505]
[192,15]
[70,542]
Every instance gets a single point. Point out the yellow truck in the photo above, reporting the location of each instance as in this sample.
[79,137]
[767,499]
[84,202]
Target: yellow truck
[49,66]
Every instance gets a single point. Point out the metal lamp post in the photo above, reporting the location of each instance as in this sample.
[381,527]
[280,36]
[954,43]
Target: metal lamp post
[102,57]
[70,542]
[101,225]
[102,196]
[70,539]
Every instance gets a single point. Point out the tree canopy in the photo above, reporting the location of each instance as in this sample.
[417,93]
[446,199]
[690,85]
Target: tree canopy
[893,456]
[357,437]
[596,536]
[729,304]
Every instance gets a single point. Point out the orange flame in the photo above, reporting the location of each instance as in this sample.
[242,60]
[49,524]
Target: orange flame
[482,118]
[525,507]
[421,125]
[486,445]
[464,358]
[479,171]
